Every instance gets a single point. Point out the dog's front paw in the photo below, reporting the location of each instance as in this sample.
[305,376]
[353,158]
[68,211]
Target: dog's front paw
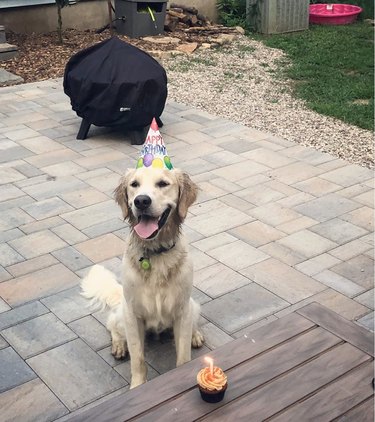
[119,349]
[197,339]
[136,381]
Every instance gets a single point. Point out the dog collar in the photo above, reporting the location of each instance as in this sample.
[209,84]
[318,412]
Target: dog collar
[147,253]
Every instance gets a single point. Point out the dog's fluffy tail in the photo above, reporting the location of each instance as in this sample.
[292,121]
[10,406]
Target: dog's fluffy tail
[100,285]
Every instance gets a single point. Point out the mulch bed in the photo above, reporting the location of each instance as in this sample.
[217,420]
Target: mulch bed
[42,57]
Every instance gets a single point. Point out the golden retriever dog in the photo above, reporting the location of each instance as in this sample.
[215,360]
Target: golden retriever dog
[157,270]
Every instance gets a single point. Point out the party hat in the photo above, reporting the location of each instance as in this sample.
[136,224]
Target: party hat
[154,153]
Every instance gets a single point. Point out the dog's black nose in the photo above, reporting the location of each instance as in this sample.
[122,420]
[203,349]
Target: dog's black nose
[142,202]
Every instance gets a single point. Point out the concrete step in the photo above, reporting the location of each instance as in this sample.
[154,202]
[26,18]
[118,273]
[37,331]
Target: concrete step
[7,51]
[2,34]
[7,78]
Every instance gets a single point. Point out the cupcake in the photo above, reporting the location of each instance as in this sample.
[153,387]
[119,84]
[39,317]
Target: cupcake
[212,386]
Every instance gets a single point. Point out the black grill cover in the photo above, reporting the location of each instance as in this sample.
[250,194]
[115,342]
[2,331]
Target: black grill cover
[114,83]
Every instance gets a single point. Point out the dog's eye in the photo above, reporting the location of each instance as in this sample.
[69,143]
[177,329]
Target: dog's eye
[134,184]
[162,184]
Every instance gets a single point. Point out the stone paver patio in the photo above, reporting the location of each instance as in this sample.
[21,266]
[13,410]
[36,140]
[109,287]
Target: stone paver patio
[277,225]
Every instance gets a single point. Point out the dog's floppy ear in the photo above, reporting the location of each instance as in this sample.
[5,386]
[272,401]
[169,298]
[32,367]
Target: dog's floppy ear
[121,194]
[188,192]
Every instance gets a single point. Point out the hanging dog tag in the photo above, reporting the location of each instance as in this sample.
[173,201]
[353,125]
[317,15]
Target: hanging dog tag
[145,264]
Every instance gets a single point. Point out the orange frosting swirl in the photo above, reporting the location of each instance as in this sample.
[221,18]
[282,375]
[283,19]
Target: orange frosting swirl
[212,382]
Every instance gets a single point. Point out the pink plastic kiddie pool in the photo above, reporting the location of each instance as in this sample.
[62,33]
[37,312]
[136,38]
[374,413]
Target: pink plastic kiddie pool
[333,14]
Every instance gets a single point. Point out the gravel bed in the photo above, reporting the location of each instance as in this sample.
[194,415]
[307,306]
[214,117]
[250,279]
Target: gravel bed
[240,82]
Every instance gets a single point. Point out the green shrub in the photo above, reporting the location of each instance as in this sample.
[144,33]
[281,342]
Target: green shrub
[232,12]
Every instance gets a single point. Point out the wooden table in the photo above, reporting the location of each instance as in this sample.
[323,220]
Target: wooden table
[310,365]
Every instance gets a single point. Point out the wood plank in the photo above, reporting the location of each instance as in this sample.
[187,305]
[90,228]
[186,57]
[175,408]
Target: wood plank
[181,379]
[297,384]
[363,413]
[335,399]
[247,376]
[347,330]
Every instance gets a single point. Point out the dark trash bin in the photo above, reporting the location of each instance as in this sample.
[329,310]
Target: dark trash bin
[114,83]
[135,18]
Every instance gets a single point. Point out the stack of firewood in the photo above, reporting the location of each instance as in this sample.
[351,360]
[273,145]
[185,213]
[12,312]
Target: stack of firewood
[183,16]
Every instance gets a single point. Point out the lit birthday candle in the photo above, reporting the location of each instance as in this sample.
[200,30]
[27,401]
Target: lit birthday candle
[210,361]
[212,382]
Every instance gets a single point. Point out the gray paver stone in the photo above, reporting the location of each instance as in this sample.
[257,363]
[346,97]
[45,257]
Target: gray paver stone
[307,243]
[21,313]
[76,374]
[217,221]
[69,234]
[349,175]
[124,370]
[13,370]
[8,256]
[238,255]
[47,208]
[366,299]
[31,402]
[218,279]
[339,283]
[338,231]
[36,244]
[15,218]
[199,296]
[282,280]
[37,335]
[213,336]
[4,275]
[359,269]
[367,321]
[104,227]
[162,356]
[46,223]
[327,207]
[37,284]
[68,305]
[93,214]
[3,306]
[240,308]
[92,332]
[71,258]
[106,354]
[3,343]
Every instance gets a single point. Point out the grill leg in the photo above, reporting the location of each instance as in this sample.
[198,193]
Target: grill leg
[159,122]
[137,136]
[83,129]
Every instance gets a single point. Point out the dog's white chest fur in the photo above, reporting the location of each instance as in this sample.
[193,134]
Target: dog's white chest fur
[158,295]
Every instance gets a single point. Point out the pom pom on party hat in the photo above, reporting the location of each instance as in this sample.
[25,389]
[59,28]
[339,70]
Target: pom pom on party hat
[154,153]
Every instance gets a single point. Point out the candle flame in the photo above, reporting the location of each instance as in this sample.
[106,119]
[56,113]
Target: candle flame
[208,360]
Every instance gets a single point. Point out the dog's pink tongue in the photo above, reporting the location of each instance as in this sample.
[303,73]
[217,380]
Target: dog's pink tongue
[146,227]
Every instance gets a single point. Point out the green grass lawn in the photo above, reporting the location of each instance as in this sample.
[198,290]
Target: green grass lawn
[333,69]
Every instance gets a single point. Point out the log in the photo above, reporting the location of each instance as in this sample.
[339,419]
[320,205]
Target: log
[190,19]
[187,9]
[178,15]
[212,30]
[202,18]
[176,9]
[170,23]
[193,20]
